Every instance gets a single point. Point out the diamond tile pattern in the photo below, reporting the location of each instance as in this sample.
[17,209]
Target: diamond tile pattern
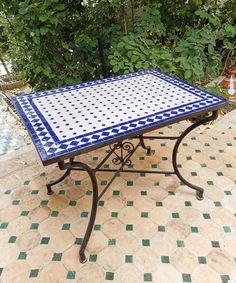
[162,235]
[80,116]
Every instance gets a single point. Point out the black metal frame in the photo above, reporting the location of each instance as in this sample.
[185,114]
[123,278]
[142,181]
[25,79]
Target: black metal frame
[126,150]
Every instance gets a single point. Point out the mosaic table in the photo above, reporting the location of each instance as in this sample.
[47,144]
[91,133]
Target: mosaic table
[73,120]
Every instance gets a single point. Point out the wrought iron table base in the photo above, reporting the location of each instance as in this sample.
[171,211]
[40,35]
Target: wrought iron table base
[126,150]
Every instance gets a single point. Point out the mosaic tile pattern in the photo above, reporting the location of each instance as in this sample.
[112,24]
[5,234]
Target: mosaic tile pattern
[9,139]
[79,117]
[148,228]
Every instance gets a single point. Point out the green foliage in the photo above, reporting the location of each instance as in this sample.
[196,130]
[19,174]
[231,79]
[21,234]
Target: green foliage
[55,42]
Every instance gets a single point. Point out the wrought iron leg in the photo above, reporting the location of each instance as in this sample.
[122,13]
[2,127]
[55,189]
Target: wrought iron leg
[89,229]
[199,191]
[148,148]
[49,186]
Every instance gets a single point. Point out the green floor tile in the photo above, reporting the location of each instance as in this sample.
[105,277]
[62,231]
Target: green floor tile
[159,203]
[225,279]
[142,174]
[7,192]
[62,192]
[66,226]
[165,259]
[175,215]
[103,182]
[22,255]
[109,276]
[147,277]
[130,203]
[114,214]
[93,258]
[111,242]
[143,193]
[42,174]
[1,269]
[227,229]
[215,244]
[202,260]
[128,258]
[24,213]
[72,202]
[186,277]
[71,275]
[180,244]
[57,257]
[219,173]
[146,243]
[101,203]
[193,174]
[54,213]
[144,214]
[210,183]
[34,226]
[88,192]
[84,214]
[129,227]
[116,193]
[217,204]
[3,225]
[228,193]
[161,228]
[78,241]
[194,229]
[187,203]
[97,227]
[206,216]
[26,182]
[12,239]
[170,193]
[228,165]
[130,183]
[45,240]
[77,182]
[15,202]
[203,165]
[34,192]
[44,202]
[34,273]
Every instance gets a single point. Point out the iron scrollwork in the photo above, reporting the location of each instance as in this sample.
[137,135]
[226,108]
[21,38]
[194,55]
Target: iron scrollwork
[122,152]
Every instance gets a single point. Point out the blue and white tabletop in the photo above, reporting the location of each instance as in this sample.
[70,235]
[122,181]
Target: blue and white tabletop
[78,118]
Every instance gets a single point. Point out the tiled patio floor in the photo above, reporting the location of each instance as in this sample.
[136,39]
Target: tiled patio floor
[148,228]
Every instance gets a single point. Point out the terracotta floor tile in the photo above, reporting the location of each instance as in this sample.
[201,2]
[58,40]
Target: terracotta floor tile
[110,258]
[204,274]
[21,276]
[220,261]
[167,273]
[146,260]
[28,240]
[90,272]
[128,243]
[184,260]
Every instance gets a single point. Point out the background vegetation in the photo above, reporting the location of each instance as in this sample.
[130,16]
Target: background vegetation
[60,42]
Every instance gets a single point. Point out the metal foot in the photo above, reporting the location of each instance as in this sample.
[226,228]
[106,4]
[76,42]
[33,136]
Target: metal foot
[199,195]
[148,148]
[199,191]
[82,258]
[49,185]
[49,189]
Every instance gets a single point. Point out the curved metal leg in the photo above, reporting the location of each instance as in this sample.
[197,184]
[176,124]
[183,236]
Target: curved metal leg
[148,148]
[199,191]
[89,229]
[49,186]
